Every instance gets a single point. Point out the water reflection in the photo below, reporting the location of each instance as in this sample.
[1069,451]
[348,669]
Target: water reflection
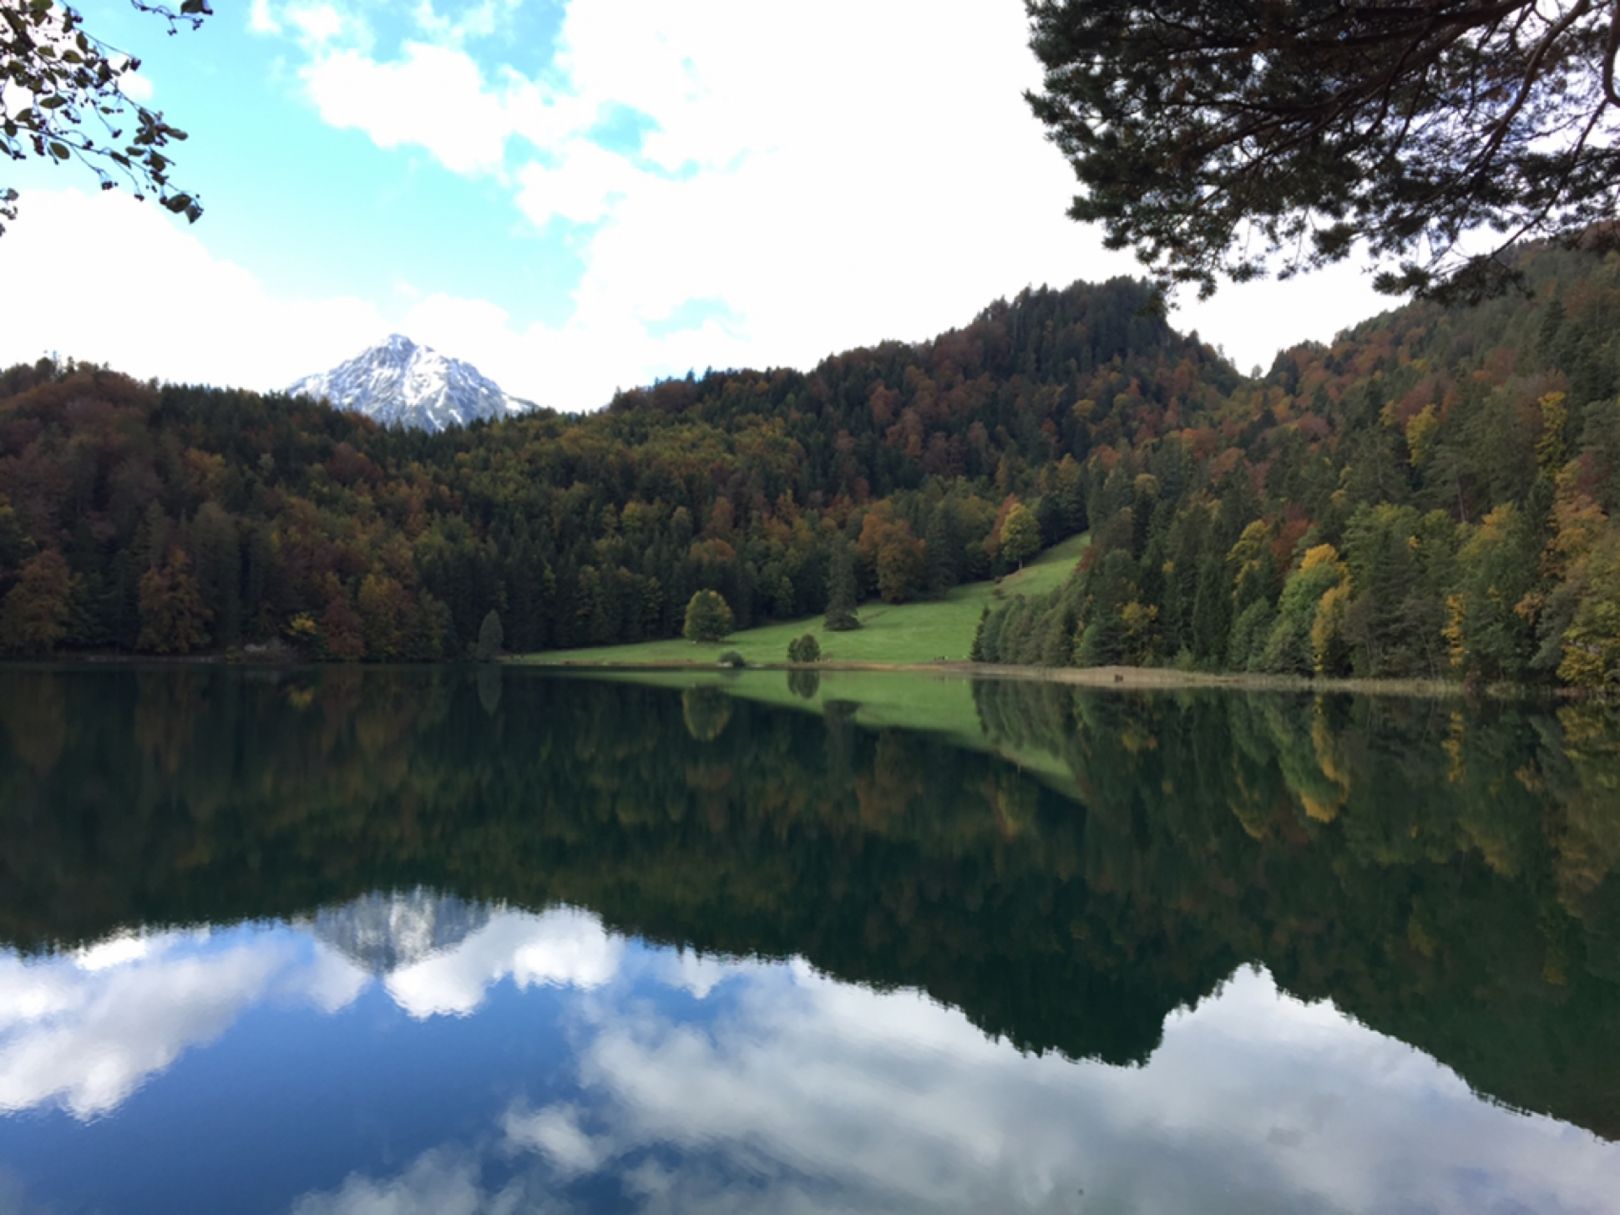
[471,943]
[723,1084]
[82,1031]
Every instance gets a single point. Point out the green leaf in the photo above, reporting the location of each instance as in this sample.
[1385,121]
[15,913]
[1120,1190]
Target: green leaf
[52,103]
[59,150]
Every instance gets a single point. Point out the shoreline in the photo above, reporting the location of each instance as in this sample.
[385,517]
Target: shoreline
[1118,678]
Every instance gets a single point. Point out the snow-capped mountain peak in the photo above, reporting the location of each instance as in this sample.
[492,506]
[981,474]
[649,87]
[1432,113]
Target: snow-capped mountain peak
[384,931]
[400,383]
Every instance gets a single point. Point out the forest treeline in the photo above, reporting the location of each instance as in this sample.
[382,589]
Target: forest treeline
[1433,495]
[168,519]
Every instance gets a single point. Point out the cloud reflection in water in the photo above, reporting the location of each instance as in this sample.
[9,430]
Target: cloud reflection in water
[704,1083]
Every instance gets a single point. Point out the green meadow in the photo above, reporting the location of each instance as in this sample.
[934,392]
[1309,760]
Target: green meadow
[933,630]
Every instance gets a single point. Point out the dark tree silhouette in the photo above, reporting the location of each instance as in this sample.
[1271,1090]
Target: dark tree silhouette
[61,99]
[1233,137]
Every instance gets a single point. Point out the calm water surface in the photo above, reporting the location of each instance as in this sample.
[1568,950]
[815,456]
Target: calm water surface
[454,942]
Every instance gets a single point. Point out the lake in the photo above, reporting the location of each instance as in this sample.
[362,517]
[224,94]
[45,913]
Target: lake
[453,941]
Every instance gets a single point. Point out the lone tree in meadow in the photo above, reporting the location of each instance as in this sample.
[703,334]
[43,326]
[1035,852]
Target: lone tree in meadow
[61,100]
[708,617]
[804,649]
[1231,138]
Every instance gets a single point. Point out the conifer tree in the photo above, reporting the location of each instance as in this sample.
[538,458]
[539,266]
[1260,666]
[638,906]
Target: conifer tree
[841,599]
[490,636]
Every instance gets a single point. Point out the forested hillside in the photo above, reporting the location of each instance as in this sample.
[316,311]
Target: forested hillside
[1432,495]
[169,519]
[1429,496]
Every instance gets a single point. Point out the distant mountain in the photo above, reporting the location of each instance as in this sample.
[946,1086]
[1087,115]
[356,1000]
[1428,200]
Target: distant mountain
[402,384]
[382,931]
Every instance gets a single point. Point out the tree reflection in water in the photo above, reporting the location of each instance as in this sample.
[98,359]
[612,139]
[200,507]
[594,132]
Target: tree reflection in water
[1443,872]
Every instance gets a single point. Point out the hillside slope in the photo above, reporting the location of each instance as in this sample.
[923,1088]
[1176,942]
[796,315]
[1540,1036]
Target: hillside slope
[1429,495]
[173,519]
[1432,495]
[927,631]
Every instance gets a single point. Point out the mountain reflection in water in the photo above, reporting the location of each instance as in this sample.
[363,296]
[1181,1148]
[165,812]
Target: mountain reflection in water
[396,942]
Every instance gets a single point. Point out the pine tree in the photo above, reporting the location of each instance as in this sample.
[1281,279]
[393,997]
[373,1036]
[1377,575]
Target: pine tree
[943,550]
[841,615]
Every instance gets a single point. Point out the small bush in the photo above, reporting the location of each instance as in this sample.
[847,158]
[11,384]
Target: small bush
[733,659]
[841,621]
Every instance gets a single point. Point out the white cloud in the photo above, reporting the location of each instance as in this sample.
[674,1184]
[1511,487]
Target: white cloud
[885,179]
[117,950]
[436,1183]
[560,948]
[136,87]
[871,173]
[581,188]
[555,1133]
[106,279]
[317,24]
[433,97]
[699,974]
[474,21]
[84,1030]
[830,1096]
[262,17]
[823,1097]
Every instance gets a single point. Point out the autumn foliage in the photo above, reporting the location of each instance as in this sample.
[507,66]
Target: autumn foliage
[1433,495]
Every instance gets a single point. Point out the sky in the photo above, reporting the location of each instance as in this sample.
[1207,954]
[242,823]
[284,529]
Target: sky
[577,195]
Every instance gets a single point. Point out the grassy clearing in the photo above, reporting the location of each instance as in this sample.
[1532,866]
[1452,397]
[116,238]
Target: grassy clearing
[901,633]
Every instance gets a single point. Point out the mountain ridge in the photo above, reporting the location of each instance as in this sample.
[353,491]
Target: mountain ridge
[399,382]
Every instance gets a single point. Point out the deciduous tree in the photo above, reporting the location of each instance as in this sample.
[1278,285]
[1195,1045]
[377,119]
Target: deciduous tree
[61,99]
[708,617]
[174,619]
[34,614]
[1020,536]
